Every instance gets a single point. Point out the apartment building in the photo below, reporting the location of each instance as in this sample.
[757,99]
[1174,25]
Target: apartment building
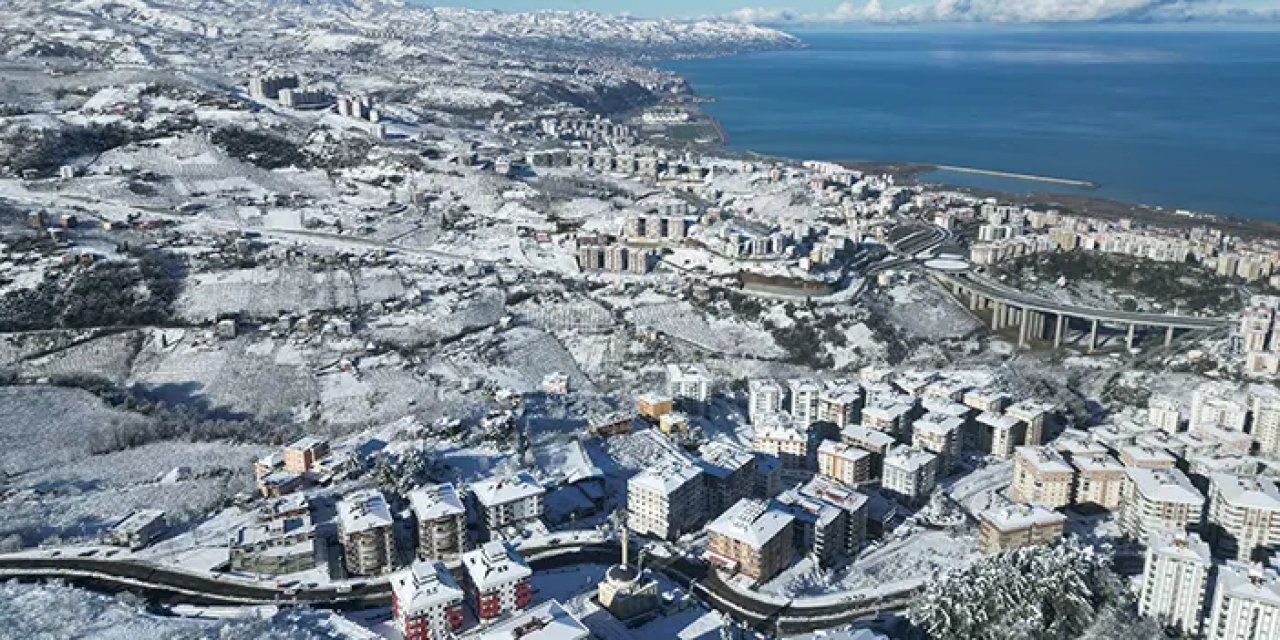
[546,621]
[892,418]
[1153,499]
[830,518]
[1165,414]
[1264,404]
[301,456]
[844,463]
[789,444]
[939,434]
[1099,480]
[508,501]
[752,538]
[999,434]
[729,473]
[442,521]
[365,526]
[496,580]
[426,602]
[666,501]
[654,405]
[764,398]
[1041,476]
[877,442]
[1020,525]
[1175,581]
[1037,415]
[1244,517]
[840,405]
[910,474]
[804,395]
[689,384]
[1246,603]
[1218,404]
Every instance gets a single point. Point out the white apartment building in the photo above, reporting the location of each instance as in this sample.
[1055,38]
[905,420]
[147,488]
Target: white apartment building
[830,518]
[789,444]
[804,400]
[1154,499]
[1218,404]
[666,501]
[508,501]
[497,580]
[442,521]
[844,463]
[1165,413]
[1041,476]
[764,398]
[1264,404]
[690,383]
[840,405]
[1246,603]
[426,602]
[939,434]
[1244,516]
[1175,581]
[365,525]
[911,474]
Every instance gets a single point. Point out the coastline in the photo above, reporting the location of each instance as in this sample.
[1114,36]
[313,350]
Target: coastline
[1098,206]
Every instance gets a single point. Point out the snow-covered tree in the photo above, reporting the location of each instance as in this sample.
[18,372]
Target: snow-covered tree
[1035,593]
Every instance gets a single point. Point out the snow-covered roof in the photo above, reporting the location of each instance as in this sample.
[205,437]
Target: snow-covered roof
[1181,545]
[1164,485]
[843,394]
[505,490]
[779,432]
[1249,582]
[833,493]
[138,521]
[665,479]
[804,385]
[308,442]
[722,460]
[860,434]
[905,457]
[494,565]
[1250,492]
[938,425]
[762,385]
[841,450]
[1147,455]
[434,502]
[1029,409]
[893,411]
[752,522]
[1021,516]
[934,404]
[687,372]
[547,621]
[363,510]
[424,586]
[1043,459]
[997,421]
[1096,463]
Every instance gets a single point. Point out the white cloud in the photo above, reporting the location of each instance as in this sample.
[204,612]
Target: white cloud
[1013,11]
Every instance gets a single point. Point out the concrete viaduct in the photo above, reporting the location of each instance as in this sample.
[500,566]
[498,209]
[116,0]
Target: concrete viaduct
[1039,318]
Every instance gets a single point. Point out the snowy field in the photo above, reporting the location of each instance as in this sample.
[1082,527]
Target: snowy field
[55,611]
[262,292]
[682,322]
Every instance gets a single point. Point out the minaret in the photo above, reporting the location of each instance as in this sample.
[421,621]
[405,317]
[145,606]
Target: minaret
[624,545]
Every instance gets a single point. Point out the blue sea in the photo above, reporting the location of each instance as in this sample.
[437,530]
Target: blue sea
[1179,119]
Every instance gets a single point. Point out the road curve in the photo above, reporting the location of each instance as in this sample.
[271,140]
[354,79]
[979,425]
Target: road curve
[1002,293]
[170,586]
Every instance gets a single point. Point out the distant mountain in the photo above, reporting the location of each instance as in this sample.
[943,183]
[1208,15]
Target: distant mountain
[396,19]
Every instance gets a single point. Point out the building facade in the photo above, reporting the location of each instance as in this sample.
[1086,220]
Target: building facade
[752,538]
[442,521]
[1175,581]
[1041,476]
[497,580]
[365,526]
[426,602]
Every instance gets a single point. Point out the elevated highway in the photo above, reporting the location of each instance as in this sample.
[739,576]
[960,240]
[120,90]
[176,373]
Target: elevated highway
[1032,314]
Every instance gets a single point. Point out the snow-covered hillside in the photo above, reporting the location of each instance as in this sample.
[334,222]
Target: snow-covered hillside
[413,23]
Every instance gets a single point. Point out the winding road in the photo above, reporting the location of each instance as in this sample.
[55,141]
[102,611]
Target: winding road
[172,586]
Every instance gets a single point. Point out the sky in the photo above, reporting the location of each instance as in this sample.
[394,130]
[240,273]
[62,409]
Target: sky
[819,12]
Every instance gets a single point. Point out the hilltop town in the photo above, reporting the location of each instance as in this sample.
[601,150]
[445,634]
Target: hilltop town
[366,320]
